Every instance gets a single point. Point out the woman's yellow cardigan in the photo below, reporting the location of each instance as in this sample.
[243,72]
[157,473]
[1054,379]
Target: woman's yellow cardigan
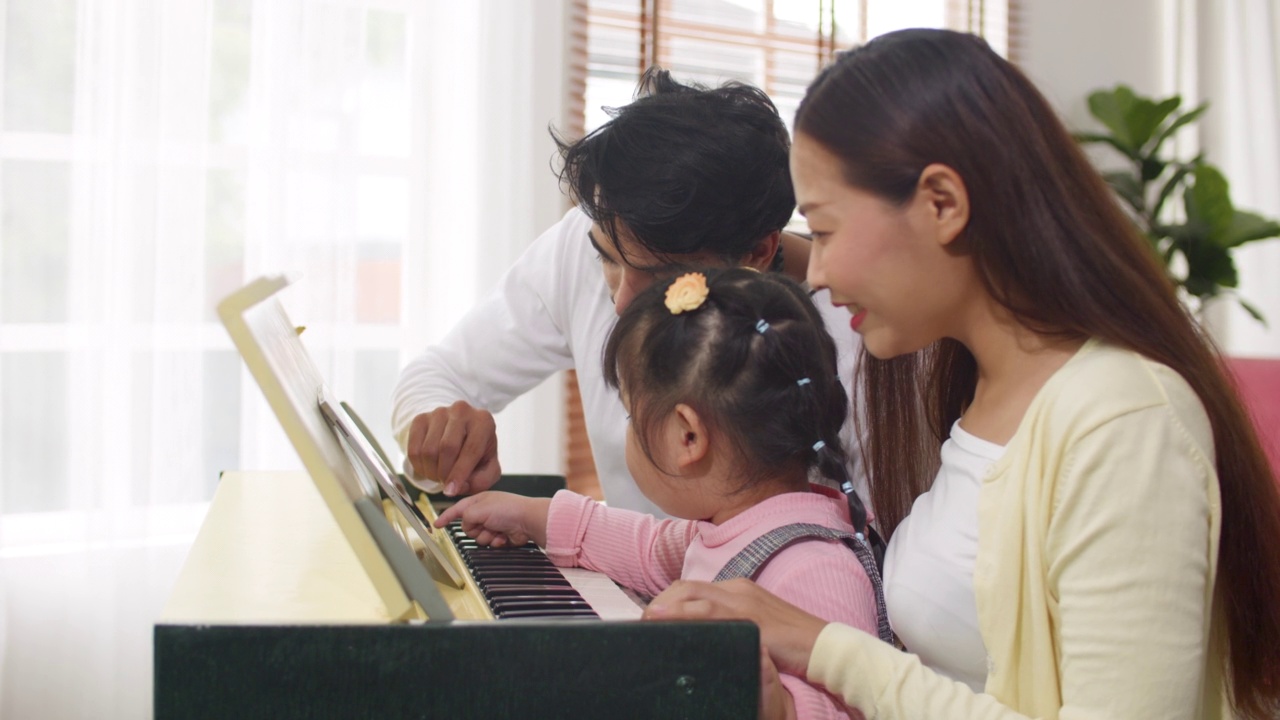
[1094,579]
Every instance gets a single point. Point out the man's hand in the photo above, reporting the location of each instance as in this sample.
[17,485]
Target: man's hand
[498,519]
[457,446]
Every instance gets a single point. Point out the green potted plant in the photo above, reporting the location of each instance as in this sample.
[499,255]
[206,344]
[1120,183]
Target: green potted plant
[1182,206]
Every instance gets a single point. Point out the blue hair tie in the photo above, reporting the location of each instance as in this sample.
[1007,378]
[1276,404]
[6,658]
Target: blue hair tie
[802,382]
[761,326]
[819,445]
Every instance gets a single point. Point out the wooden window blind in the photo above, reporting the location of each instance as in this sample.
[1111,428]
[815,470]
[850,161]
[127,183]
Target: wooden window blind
[776,45]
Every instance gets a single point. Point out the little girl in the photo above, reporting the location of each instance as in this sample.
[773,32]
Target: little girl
[729,377]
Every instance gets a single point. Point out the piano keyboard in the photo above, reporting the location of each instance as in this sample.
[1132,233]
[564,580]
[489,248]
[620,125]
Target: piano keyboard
[523,583]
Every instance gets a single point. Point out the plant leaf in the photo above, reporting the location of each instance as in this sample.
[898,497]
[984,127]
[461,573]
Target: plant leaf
[1159,231]
[1173,183]
[1127,187]
[1151,168]
[1253,311]
[1189,116]
[1147,116]
[1086,138]
[1209,267]
[1111,108]
[1131,118]
[1208,203]
[1247,227]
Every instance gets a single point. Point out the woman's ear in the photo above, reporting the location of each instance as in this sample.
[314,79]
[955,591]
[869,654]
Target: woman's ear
[687,436]
[945,200]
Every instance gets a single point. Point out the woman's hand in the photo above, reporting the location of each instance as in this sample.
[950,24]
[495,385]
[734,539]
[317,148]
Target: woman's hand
[775,702]
[499,519]
[785,630]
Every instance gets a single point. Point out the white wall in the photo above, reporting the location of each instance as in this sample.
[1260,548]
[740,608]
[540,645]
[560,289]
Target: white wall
[1163,47]
[1073,48]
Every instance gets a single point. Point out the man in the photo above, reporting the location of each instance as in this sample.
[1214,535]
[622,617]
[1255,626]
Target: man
[682,176]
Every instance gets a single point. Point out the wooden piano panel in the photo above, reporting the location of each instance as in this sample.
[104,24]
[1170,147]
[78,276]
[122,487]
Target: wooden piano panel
[269,550]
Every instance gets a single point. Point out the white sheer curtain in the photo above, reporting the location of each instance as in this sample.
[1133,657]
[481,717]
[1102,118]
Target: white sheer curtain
[1239,74]
[156,154]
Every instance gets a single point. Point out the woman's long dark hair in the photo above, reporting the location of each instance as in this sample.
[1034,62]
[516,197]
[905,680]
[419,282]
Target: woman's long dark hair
[1053,247]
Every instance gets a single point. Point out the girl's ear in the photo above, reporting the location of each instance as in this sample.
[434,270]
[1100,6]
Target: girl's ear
[688,437]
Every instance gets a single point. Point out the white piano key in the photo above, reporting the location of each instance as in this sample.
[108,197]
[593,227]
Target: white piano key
[605,597]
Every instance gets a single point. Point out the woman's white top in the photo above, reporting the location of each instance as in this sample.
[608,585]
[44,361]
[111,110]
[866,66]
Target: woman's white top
[928,577]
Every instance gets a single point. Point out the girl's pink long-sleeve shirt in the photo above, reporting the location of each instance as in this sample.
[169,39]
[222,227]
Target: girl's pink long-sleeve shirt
[646,554]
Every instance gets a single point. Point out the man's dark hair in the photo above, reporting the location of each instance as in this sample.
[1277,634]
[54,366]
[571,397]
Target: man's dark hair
[685,168]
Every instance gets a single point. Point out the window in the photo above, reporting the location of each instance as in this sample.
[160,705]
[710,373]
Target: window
[155,157]
[776,45]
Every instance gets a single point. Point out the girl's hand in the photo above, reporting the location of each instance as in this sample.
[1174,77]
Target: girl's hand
[500,519]
[785,630]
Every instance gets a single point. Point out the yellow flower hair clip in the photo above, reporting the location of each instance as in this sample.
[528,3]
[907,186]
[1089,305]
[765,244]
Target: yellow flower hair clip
[687,293]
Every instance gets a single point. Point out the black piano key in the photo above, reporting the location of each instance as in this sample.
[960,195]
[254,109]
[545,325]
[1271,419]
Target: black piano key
[530,569]
[529,587]
[545,604]
[471,541]
[548,611]
[525,593]
[524,572]
[510,579]
[501,565]
[528,559]
[507,554]
[532,585]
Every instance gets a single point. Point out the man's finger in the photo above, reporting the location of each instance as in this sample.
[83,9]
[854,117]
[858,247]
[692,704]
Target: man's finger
[477,442]
[452,438]
[417,438]
[485,474]
[427,465]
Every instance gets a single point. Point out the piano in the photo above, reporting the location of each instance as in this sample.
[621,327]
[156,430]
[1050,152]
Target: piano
[311,594]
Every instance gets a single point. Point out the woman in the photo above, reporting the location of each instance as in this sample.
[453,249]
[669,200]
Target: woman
[1119,513]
